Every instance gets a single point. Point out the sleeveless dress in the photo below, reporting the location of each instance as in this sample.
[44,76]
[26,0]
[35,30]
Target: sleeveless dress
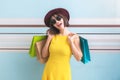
[58,65]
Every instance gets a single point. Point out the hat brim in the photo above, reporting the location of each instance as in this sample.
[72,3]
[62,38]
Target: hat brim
[62,11]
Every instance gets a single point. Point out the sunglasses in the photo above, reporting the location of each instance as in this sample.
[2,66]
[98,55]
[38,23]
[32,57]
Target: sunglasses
[53,21]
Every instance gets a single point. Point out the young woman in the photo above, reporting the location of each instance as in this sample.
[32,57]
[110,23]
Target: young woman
[60,45]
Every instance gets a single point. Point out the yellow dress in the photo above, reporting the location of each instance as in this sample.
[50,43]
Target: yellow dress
[58,64]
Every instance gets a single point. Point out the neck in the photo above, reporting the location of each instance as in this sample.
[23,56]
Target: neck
[64,31]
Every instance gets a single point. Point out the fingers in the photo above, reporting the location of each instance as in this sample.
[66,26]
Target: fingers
[69,37]
[71,34]
[72,37]
[48,31]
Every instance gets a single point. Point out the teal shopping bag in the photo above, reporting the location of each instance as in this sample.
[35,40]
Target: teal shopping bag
[85,50]
[32,50]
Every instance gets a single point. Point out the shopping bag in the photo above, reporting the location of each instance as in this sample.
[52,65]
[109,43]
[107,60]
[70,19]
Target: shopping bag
[39,45]
[32,50]
[85,50]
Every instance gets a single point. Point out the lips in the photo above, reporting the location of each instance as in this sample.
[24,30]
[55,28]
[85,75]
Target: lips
[59,24]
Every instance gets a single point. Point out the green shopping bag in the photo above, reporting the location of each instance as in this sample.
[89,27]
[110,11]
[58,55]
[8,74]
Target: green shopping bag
[32,51]
[85,50]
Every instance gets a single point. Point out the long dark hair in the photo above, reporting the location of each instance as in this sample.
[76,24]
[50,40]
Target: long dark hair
[54,30]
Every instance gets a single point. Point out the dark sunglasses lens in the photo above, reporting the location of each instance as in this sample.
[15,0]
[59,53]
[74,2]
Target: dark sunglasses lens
[58,18]
[53,21]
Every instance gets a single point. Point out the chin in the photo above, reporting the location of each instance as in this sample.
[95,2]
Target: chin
[61,27]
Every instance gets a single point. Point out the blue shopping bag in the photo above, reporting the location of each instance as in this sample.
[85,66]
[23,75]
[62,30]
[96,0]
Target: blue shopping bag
[85,50]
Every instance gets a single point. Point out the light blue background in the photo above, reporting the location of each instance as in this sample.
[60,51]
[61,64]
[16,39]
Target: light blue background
[77,8]
[20,66]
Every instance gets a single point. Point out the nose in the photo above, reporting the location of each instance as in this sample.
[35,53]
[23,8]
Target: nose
[57,22]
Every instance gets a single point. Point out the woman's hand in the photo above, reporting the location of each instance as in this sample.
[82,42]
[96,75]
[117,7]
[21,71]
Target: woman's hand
[71,38]
[50,36]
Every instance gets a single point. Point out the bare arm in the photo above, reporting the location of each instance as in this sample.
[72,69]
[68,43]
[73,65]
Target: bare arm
[45,50]
[75,46]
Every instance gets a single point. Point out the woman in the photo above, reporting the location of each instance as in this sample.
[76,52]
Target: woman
[60,45]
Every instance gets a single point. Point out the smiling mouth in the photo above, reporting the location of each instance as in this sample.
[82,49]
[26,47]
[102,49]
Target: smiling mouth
[59,24]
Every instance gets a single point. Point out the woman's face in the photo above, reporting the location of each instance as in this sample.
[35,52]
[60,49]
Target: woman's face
[57,21]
